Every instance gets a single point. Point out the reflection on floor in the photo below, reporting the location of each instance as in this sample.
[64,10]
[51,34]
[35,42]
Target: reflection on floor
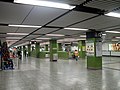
[36,74]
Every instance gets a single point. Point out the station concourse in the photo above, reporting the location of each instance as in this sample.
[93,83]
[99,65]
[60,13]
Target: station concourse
[39,40]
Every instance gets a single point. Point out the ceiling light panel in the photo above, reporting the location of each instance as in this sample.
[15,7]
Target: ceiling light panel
[77,29]
[24,26]
[17,33]
[113,14]
[112,31]
[44,38]
[13,38]
[45,3]
[84,36]
[56,35]
[117,37]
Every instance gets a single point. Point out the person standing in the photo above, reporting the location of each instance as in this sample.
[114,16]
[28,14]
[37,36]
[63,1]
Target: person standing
[76,55]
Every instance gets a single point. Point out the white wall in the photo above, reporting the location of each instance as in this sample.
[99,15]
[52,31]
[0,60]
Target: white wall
[105,46]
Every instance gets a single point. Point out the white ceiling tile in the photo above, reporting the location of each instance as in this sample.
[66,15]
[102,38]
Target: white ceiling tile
[13,13]
[42,15]
[45,30]
[25,30]
[98,23]
[71,18]
[52,37]
[67,32]
[6,29]
[32,36]
[104,4]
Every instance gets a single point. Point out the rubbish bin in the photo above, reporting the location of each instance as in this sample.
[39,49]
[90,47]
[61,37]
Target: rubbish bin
[46,55]
[55,56]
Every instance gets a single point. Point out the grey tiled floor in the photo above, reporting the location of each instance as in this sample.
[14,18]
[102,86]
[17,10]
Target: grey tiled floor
[36,74]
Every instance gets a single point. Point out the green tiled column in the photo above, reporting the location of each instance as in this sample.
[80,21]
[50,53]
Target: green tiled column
[53,50]
[29,49]
[94,50]
[24,48]
[46,47]
[20,48]
[59,46]
[37,49]
[81,48]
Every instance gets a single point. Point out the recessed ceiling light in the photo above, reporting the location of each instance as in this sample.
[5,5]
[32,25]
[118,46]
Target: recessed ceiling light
[13,38]
[112,31]
[25,26]
[113,14]
[17,33]
[78,29]
[43,38]
[38,40]
[103,34]
[117,37]
[115,40]
[57,35]
[83,36]
[45,3]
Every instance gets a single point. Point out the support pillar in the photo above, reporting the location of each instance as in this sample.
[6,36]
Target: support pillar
[37,49]
[29,49]
[24,51]
[81,48]
[59,46]
[94,50]
[46,47]
[20,48]
[53,50]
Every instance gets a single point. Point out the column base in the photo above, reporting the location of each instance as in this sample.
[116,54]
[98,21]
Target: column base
[92,68]
[53,60]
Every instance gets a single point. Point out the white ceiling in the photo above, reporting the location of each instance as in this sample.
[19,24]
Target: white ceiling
[99,22]
[104,4]
[71,18]
[42,15]
[6,29]
[34,15]
[68,32]
[45,30]
[13,13]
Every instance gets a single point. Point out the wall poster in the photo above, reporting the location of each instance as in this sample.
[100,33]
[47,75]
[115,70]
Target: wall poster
[90,49]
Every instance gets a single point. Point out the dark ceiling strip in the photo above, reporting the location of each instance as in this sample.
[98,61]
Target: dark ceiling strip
[3,33]
[10,1]
[52,27]
[2,24]
[85,2]
[89,10]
